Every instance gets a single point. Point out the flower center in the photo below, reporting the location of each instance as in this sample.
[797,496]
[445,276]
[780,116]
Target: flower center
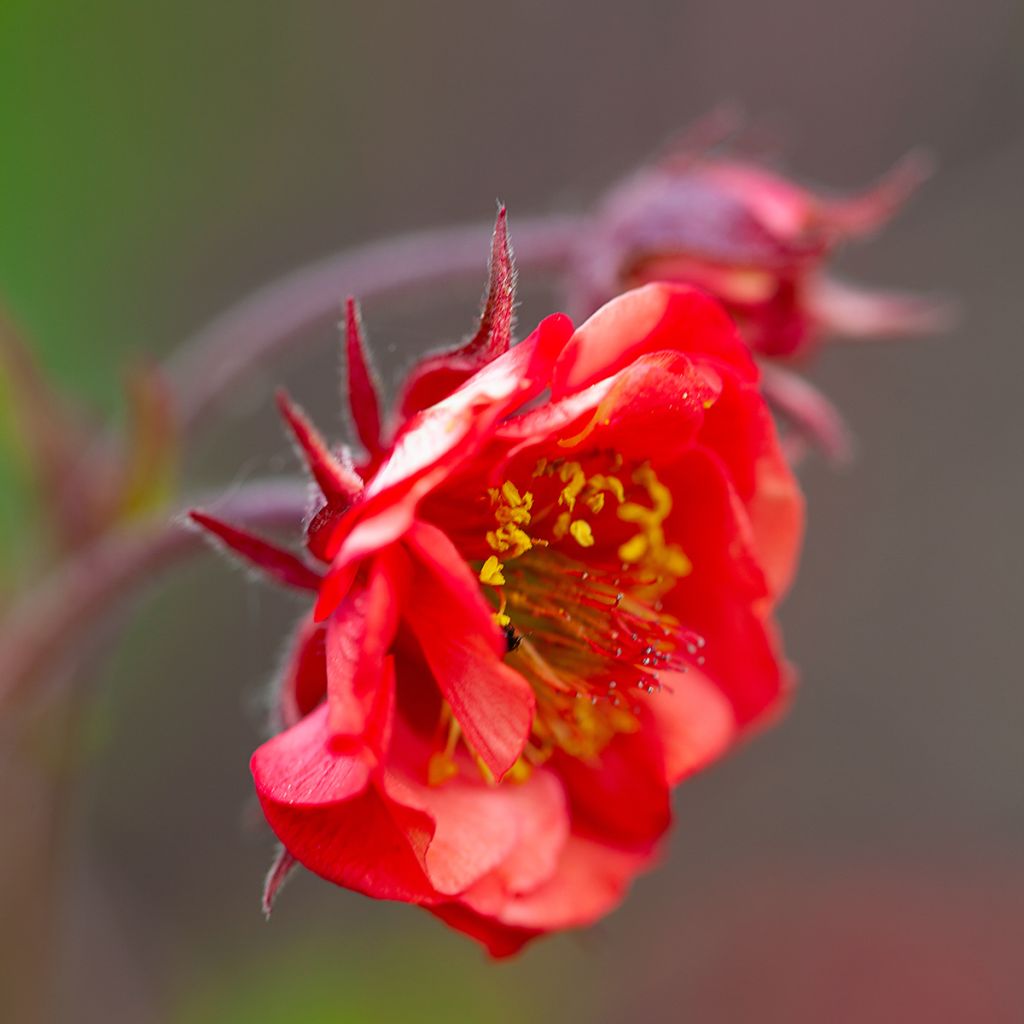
[581,564]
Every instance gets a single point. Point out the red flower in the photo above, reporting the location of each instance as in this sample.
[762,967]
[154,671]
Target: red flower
[550,602]
[757,241]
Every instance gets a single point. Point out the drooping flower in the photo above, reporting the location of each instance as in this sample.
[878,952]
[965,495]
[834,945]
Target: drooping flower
[761,244]
[540,603]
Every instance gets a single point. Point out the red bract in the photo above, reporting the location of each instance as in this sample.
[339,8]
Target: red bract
[757,241]
[550,602]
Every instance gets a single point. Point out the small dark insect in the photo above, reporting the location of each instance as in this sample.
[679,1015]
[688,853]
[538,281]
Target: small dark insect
[512,638]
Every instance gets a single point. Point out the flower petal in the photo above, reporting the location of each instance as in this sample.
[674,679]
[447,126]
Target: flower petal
[694,720]
[359,637]
[657,316]
[465,648]
[620,796]
[590,881]
[321,805]
[727,597]
[516,830]
[304,684]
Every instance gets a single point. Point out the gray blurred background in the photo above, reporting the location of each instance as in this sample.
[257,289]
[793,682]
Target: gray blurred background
[864,860]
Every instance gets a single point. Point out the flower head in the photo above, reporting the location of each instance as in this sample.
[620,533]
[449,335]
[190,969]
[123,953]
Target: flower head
[540,604]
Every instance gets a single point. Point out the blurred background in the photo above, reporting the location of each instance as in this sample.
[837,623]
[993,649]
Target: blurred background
[862,861]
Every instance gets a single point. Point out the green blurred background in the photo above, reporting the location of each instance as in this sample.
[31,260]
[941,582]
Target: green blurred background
[863,861]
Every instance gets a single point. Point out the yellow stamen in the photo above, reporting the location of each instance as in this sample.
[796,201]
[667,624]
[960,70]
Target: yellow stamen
[441,767]
[571,474]
[490,573]
[582,533]
[649,545]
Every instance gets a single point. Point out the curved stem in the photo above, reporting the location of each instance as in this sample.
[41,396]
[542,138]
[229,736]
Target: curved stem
[47,623]
[259,327]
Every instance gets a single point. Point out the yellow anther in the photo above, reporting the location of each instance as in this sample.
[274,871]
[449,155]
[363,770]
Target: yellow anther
[510,493]
[510,541]
[660,494]
[502,619]
[519,772]
[440,768]
[511,513]
[561,527]
[675,561]
[490,573]
[595,502]
[507,514]
[631,512]
[634,549]
[582,533]
[649,545]
[571,474]
[612,484]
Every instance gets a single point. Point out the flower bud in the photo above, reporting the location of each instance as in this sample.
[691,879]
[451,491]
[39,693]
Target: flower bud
[756,240]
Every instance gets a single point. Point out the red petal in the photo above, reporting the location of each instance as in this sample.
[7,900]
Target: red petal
[661,394]
[694,721]
[498,939]
[591,880]
[622,795]
[320,804]
[516,830]
[776,511]
[465,650]
[276,562]
[304,684]
[726,598]
[468,416]
[334,588]
[649,319]
[296,767]
[359,637]
[362,390]
[338,483]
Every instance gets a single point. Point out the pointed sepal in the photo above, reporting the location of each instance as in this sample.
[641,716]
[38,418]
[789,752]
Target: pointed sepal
[280,871]
[494,334]
[812,417]
[362,387]
[277,563]
[437,376]
[862,214]
[340,484]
